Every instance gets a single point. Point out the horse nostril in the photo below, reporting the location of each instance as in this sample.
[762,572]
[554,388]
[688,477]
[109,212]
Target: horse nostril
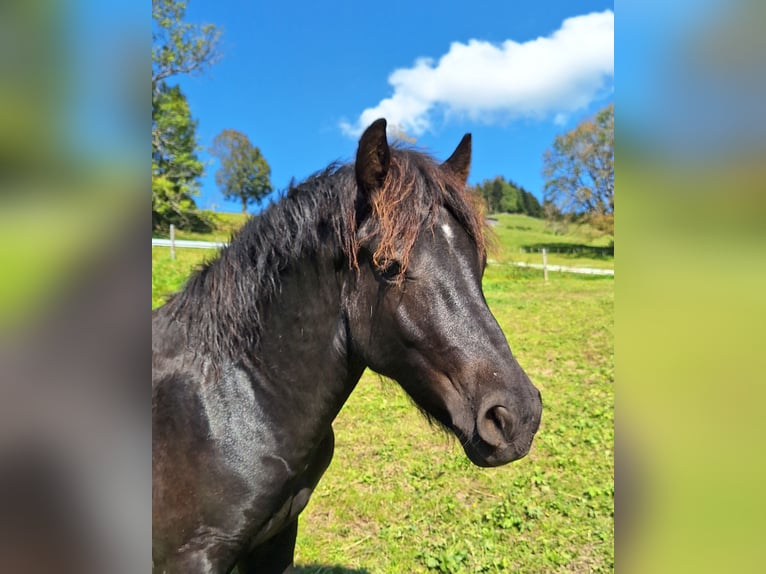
[495,426]
[499,416]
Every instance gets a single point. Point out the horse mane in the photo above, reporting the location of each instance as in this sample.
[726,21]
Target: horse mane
[221,301]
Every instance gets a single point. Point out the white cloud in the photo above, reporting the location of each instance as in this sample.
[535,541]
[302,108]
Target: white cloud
[548,76]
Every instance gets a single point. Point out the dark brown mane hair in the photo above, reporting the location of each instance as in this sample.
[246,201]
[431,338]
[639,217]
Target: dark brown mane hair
[220,305]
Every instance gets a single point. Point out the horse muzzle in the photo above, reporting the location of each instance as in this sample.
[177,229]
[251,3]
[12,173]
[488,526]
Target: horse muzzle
[503,429]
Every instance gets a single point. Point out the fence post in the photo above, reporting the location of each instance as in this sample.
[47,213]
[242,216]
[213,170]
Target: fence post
[545,263]
[172,241]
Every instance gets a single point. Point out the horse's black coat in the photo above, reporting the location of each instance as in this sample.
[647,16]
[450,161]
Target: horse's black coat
[377,264]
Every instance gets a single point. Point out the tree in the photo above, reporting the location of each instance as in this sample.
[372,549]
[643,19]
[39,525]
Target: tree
[529,204]
[179,47]
[510,201]
[496,190]
[503,196]
[175,166]
[579,172]
[244,173]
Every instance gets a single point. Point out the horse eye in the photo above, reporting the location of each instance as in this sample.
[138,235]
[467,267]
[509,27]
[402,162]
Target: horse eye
[391,271]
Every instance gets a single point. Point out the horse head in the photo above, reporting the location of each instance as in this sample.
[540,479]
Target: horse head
[417,312]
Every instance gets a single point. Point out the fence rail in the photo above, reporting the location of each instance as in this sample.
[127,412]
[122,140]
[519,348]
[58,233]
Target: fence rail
[564,268]
[156,242]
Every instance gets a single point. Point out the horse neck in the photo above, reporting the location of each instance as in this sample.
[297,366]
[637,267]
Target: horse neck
[302,359]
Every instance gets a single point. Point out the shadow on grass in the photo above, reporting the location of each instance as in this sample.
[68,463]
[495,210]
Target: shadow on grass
[325,569]
[579,249]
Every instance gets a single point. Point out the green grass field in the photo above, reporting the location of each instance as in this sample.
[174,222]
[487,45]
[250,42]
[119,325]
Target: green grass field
[520,239]
[400,495]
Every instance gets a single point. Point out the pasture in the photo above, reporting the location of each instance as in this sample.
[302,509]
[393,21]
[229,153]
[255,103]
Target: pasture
[400,495]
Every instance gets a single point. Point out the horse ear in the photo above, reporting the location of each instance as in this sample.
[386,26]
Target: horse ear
[373,156]
[459,162]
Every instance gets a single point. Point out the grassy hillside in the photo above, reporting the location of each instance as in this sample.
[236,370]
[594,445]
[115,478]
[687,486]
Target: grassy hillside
[521,238]
[400,495]
[225,225]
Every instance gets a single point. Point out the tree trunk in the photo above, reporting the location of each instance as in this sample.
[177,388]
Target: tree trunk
[244,204]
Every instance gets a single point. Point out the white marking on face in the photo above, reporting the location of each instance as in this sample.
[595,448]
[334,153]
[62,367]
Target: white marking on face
[447,232]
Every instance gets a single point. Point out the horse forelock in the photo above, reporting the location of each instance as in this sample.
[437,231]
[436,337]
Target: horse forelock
[414,189]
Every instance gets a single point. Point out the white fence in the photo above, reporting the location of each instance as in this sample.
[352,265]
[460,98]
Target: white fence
[545,267]
[173,243]
[187,243]
[564,268]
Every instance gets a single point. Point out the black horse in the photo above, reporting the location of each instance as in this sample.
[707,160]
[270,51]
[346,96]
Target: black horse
[376,264]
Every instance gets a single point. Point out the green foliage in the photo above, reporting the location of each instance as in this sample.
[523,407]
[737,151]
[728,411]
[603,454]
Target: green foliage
[179,47]
[503,196]
[175,166]
[244,173]
[579,172]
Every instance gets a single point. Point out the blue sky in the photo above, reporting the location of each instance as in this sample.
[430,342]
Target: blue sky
[301,79]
